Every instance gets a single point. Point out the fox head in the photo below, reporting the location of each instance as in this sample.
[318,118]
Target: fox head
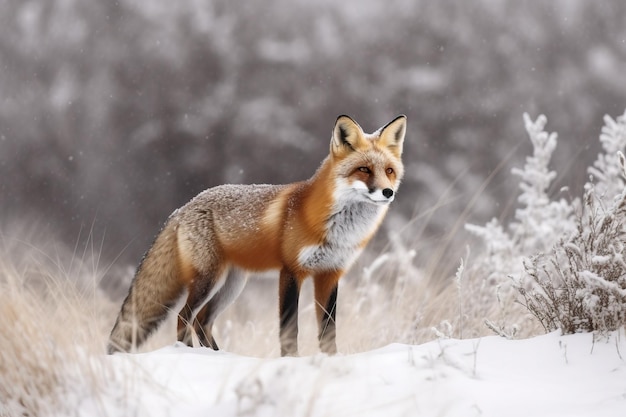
[368,167]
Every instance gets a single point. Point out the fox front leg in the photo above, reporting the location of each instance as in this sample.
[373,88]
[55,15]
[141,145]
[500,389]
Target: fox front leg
[326,309]
[289,293]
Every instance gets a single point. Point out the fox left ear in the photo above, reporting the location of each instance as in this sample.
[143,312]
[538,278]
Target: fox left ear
[392,134]
[347,135]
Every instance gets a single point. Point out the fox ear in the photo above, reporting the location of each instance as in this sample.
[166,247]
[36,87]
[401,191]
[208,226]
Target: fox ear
[392,134]
[347,135]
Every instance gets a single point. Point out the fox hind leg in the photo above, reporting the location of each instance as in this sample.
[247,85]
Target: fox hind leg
[202,289]
[203,325]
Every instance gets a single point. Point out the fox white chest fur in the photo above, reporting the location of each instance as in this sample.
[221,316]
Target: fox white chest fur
[350,224]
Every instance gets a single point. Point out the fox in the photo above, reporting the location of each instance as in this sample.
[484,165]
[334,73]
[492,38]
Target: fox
[313,228]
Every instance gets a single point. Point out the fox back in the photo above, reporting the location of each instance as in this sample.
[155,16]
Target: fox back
[314,228]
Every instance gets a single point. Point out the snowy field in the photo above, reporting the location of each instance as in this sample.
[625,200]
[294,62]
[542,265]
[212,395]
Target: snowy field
[549,375]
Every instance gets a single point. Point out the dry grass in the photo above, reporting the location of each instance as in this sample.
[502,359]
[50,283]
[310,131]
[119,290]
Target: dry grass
[53,324]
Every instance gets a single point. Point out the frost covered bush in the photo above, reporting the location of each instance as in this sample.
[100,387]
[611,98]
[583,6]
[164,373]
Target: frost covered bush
[537,225]
[581,284]
[539,222]
[607,173]
[572,253]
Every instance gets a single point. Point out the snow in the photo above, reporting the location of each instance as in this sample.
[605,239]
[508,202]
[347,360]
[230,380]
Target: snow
[551,375]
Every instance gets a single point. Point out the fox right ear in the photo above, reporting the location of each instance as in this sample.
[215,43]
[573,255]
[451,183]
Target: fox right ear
[347,134]
[392,134]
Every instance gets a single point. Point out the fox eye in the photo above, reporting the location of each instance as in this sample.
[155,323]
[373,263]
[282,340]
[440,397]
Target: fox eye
[365,170]
[389,171]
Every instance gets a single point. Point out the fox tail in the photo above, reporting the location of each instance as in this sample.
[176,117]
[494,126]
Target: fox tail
[155,289]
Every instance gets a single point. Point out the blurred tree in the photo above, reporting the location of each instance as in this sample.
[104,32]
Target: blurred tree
[119,112]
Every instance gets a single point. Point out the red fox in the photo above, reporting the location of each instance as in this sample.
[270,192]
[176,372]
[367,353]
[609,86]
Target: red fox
[311,228]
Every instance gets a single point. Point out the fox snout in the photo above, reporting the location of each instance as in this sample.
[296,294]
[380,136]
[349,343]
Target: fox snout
[378,196]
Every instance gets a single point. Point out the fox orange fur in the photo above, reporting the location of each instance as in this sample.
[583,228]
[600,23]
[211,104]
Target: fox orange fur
[314,228]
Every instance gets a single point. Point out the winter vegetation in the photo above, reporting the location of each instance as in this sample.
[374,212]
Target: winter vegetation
[573,277]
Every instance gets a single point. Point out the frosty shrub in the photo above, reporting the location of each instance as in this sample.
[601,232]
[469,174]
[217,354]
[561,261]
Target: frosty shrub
[539,222]
[606,170]
[572,253]
[581,284]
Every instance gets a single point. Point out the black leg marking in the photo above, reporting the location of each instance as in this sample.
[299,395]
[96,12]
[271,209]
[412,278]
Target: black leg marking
[203,326]
[289,294]
[206,336]
[327,332]
[198,294]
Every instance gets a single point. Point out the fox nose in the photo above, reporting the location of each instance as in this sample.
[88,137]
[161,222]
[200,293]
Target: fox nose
[388,192]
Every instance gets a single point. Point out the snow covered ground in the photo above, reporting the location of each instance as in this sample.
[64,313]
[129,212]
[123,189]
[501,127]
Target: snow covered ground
[551,375]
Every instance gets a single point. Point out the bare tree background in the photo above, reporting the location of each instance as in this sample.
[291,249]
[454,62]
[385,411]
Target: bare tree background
[114,113]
